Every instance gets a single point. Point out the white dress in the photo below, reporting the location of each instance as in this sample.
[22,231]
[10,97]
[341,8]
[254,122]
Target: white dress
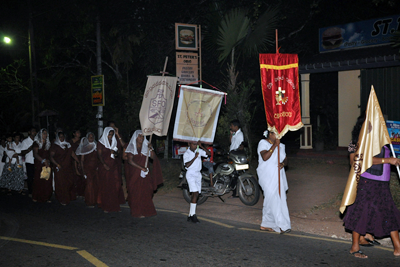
[275,213]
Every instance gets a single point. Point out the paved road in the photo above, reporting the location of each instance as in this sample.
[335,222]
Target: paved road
[31,235]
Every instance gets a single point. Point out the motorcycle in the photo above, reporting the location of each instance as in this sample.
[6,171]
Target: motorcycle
[225,173]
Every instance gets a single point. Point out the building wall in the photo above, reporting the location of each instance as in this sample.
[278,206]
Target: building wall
[349,101]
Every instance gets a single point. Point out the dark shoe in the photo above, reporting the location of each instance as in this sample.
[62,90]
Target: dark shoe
[193,219]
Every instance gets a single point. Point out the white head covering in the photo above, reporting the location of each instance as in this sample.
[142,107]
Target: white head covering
[62,144]
[104,139]
[265,133]
[131,148]
[38,139]
[86,147]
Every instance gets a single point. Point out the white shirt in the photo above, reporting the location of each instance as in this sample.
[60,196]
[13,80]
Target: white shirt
[236,140]
[196,165]
[10,153]
[25,145]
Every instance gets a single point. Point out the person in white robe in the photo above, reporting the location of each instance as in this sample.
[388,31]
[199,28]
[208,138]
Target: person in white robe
[275,213]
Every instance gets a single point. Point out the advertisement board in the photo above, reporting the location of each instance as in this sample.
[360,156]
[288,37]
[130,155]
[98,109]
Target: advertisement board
[187,67]
[358,34]
[97,90]
[394,134]
[186,37]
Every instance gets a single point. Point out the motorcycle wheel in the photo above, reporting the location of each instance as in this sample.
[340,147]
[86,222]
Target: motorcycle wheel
[251,192]
[188,197]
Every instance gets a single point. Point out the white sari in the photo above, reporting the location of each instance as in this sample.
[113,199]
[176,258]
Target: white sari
[275,209]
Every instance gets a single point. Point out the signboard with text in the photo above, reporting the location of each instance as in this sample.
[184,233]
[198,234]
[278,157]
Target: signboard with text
[187,68]
[358,34]
[97,90]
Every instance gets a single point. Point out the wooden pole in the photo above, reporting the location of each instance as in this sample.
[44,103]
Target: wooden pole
[276,41]
[201,74]
[279,172]
[151,136]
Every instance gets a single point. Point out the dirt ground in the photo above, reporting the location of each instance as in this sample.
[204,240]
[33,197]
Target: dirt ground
[315,189]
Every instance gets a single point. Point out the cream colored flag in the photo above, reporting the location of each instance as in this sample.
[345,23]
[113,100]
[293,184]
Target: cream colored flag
[158,100]
[197,114]
[373,136]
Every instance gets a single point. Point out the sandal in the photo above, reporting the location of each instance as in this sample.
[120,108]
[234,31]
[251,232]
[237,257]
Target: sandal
[266,229]
[363,256]
[373,242]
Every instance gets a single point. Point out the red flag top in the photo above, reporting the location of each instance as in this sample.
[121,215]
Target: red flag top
[280,88]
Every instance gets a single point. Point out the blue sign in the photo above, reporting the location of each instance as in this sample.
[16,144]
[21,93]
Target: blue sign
[394,134]
[358,34]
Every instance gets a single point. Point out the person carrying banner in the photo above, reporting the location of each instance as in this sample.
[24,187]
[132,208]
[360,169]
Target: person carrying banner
[141,188]
[367,198]
[192,161]
[275,213]
[374,203]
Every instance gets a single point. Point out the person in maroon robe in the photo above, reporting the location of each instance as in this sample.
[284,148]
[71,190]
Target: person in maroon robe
[140,182]
[79,180]
[110,189]
[61,156]
[89,164]
[119,155]
[42,189]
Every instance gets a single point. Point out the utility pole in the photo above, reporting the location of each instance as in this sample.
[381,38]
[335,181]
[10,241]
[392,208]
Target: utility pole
[99,115]
[32,64]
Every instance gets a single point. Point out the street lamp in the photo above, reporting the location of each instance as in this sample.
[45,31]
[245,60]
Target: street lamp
[7,40]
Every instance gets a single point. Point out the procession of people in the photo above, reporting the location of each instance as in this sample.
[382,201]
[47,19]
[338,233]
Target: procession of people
[81,168]
[93,170]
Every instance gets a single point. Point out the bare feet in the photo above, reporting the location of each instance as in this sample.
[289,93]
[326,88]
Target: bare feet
[266,229]
[396,252]
[359,254]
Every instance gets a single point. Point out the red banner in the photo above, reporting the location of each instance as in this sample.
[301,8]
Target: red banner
[280,88]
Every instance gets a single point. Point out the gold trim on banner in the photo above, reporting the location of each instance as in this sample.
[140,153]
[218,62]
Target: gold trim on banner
[283,67]
[286,129]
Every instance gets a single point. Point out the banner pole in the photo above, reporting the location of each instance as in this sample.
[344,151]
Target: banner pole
[394,156]
[279,172]
[276,41]
[201,76]
[151,136]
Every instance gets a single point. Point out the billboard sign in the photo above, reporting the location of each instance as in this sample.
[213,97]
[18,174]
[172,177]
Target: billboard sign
[371,32]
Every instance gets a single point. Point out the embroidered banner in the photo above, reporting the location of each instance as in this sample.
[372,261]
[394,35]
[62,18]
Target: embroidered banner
[197,114]
[158,100]
[373,136]
[280,88]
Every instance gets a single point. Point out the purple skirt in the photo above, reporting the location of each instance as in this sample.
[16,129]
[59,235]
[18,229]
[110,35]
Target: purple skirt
[373,211]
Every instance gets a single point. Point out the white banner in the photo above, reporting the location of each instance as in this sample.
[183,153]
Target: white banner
[158,100]
[197,114]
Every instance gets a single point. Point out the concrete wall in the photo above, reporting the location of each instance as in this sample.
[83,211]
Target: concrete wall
[349,101]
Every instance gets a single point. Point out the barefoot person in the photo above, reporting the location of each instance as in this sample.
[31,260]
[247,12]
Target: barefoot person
[275,212]
[374,210]
[192,161]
